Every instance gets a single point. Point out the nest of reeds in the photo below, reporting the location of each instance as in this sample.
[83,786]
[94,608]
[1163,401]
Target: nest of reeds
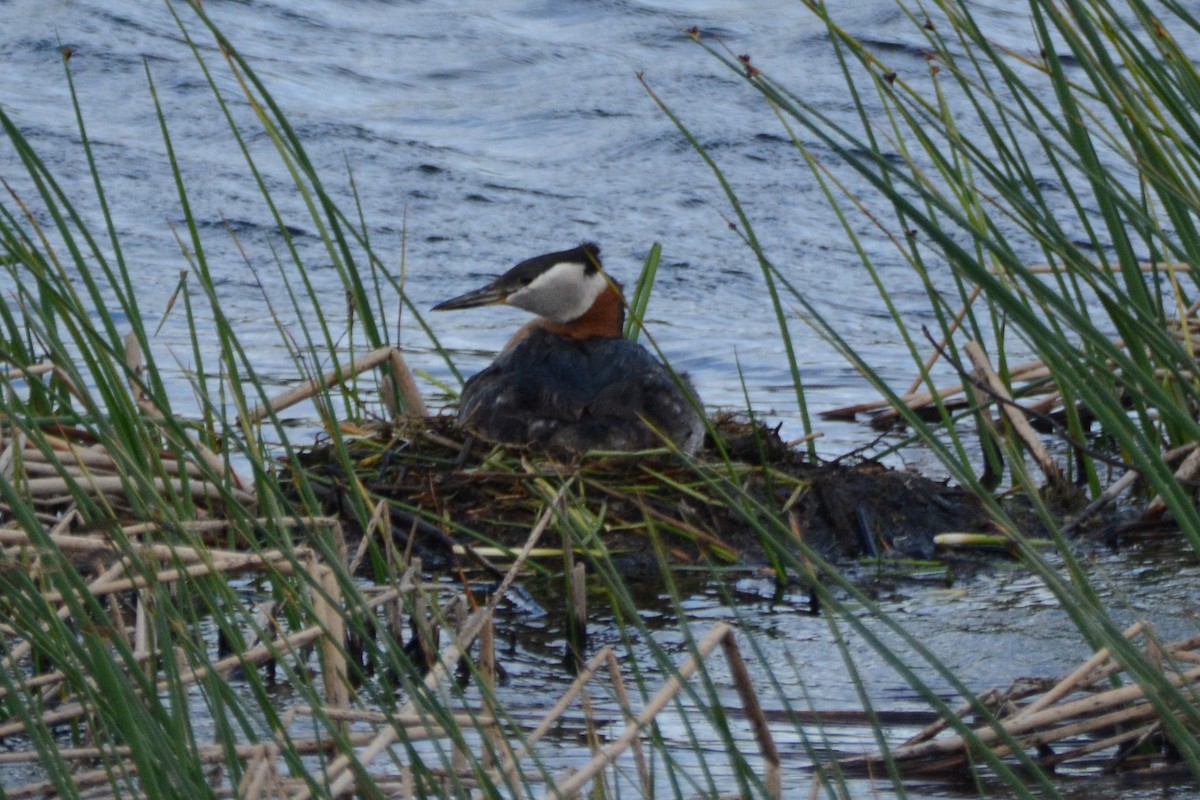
[731,503]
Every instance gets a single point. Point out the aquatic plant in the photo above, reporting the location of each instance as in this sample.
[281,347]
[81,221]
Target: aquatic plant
[1067,232]
[159,563]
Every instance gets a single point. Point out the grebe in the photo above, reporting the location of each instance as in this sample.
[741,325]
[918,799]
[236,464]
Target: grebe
[568,380]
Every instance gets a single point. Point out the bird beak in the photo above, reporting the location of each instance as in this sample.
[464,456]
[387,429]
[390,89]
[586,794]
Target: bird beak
[487,296]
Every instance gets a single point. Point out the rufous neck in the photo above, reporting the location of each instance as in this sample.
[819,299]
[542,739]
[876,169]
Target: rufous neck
[605,319]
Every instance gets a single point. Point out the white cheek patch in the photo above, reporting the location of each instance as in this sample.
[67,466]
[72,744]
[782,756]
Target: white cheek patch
[562,293]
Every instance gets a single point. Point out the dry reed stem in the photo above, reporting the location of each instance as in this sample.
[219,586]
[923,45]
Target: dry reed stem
[206,754]
[8,466]
[1082,676]
[497,742]
[941,345]
[381,523]
[58,491]
[91,459]
[1187,471]
[339,774]
[1119,486]
[101,544]
[753,710]
[94,468]
[989,699]
[1123,717]
[1015,416]
[310,388]
[1100,745]
[1052,717]
[1185,328]
[1143,266]
[133,358]
[639,756]
[402,383]
[47,788]
[202,562]
[605,655]
[172,575]
[719,634]
[261,771]
[1028,371]
[19,373]
[569,784]
[325,596]
[411,722]
[255,655]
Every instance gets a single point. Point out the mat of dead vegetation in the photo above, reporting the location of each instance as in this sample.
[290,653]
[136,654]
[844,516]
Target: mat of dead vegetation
[446,488]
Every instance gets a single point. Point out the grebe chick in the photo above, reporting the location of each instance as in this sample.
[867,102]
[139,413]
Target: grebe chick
[568,380]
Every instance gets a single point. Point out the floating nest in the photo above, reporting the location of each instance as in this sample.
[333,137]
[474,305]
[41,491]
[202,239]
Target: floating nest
[447,491]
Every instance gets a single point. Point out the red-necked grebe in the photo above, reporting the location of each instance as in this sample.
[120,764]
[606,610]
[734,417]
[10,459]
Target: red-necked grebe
[568,380]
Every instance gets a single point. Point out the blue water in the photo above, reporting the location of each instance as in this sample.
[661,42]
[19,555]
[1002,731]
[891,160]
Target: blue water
[479,134]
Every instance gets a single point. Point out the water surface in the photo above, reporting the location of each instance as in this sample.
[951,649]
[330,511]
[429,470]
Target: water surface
[480,134]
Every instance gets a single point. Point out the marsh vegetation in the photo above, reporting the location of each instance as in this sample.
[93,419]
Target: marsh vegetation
[203,603]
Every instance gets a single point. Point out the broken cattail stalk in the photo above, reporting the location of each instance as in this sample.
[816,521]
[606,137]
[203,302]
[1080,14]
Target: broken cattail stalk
[1051,718]
[577,635]
[1143,266]
[568,785]
[989,439]
[941,346]
[43,369]
[256,655]
[1084,675]
[1015,416]
[1117,488]
[425,632]
[1187,471]
[326,598]
[206,754]
[340,777]
[754,712]
[1028,371]
[143,637]
[622,693]
[585,674]
[400,382]
[57,490]
[497,743]
[311,388]
[1100,745]
[229,564]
